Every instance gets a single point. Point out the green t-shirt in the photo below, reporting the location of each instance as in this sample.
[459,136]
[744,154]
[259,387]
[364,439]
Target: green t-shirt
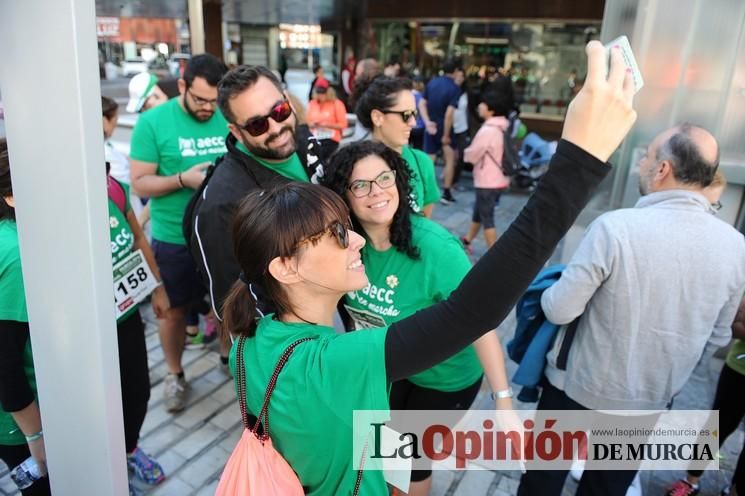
[423,182]
[175,141]
[13,307]
[736,356]
[122,237]
[310,412]
[400,286]
[12,296]
[292,168]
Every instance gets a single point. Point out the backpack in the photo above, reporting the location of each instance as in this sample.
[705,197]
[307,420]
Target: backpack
[510,150]
[117,194]
[255,467]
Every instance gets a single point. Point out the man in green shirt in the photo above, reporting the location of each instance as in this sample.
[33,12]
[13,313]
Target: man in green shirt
[172,146]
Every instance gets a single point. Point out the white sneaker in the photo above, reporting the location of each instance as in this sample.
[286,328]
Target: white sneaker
[175,391]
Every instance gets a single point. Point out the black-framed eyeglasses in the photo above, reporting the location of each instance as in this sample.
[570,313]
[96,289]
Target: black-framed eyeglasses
[199,101]
[716,206]
[362,187]
[339,230]
[406,115]
[259,125]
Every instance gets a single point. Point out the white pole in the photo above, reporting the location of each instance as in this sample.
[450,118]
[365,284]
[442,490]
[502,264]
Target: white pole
[196,27]
[51,93]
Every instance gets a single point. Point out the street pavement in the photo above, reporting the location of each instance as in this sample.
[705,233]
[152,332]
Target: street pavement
[193,445]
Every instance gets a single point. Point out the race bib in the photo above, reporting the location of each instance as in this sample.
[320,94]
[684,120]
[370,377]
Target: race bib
[363,319]
[133,281]
[323,133]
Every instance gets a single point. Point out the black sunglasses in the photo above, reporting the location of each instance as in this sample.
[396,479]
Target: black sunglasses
[337,229]
[259,125]
[406,115]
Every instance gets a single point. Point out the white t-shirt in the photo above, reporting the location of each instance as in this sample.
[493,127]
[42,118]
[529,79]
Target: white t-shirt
[460,119]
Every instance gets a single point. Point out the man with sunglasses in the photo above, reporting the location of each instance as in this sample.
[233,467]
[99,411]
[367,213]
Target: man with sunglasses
[266,147]
[172,146]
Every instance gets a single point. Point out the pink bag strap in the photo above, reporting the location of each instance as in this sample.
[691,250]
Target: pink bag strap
[117,195]
[241,379]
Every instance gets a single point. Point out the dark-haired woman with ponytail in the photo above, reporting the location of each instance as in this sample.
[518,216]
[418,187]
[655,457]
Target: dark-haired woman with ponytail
[415,263]
[387,107]
[296,242]
[21,435]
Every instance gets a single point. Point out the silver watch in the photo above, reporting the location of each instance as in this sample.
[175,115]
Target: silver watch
[498,395]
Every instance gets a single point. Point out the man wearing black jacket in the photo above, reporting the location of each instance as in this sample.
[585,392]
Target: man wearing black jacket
[266,147]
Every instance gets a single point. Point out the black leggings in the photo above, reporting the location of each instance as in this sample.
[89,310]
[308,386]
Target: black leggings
[405,395]
[730,401]
[14,456]
[134,376]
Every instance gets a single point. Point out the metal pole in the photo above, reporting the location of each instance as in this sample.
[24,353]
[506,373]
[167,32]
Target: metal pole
[53,121]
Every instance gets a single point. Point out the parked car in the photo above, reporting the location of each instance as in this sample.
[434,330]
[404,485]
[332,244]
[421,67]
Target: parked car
[133,66]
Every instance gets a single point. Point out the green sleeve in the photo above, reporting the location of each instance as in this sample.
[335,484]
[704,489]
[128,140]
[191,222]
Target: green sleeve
[366,349]
[450,254]
[144,145]
[428,177]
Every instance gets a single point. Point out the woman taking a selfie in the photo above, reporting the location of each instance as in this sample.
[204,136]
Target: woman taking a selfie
[296,242]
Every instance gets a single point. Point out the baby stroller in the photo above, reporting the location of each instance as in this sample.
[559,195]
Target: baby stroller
[535,154]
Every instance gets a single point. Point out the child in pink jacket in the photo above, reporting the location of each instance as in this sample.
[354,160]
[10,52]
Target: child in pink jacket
[485,153]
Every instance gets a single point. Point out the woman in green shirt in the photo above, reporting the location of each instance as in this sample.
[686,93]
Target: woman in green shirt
[295,242]
[411,263]
[387,107]
[21,435]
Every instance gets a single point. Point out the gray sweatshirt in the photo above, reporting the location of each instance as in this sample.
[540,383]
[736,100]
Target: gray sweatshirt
[654,284]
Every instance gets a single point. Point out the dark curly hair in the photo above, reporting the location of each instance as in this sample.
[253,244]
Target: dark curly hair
[377,94]
[339,170]
[6,187]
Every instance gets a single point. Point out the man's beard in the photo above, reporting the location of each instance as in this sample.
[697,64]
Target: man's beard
[194,114]
[269,153]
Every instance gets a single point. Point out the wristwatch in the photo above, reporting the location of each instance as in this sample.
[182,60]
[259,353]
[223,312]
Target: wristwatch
[498,395]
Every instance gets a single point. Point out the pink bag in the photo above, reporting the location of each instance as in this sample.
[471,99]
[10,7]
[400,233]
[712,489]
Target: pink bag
[255,468]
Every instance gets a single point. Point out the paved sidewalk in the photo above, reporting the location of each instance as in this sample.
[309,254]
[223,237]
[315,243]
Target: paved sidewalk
[193,445]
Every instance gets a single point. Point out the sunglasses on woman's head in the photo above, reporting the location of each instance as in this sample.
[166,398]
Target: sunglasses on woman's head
[339,230]
[259,125]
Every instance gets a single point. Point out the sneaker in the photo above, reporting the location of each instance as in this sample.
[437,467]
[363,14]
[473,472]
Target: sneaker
[466,245]
[145,468]
[175,392]
[682,488]
[447,199]
[195,341]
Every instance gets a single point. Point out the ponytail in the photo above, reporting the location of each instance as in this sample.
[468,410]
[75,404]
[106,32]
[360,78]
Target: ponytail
[239,311]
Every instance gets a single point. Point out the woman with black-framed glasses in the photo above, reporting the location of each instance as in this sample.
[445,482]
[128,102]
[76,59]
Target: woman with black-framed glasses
[411,263]
[387,107]
[287,239]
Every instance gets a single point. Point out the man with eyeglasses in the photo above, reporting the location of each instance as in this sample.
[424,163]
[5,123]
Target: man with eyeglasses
[656,288]
[266,147]
[172,146]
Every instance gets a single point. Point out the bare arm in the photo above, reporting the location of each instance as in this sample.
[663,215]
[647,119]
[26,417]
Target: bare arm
[449,116]
[427,210]
[29,421]
[160,297]
[147,183]
[489,351]
[431,126]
